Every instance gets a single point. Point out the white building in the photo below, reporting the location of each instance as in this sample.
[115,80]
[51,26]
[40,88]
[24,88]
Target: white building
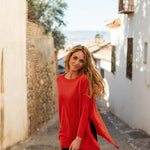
[129,85]
[13,97]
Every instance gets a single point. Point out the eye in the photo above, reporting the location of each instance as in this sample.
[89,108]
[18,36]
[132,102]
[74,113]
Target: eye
[75,57]
[81,61]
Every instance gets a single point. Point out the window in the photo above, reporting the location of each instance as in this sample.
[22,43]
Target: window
[145,53]
[113,59]
[129,58]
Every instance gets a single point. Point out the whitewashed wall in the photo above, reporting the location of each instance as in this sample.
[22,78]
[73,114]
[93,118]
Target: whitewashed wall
[13,44]
[130,99]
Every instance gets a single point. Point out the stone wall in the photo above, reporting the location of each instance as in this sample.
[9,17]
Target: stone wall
[34,30]
[41,76]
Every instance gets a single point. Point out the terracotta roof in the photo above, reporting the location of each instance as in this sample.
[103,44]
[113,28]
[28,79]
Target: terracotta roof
[104,53]
[96,46]
[115,23]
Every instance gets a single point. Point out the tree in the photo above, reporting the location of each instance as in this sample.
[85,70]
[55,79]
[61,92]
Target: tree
[50,14]
[97,35]
[97,38]
[59,39]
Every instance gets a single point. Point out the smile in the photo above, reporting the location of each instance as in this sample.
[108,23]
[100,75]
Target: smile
[75,66]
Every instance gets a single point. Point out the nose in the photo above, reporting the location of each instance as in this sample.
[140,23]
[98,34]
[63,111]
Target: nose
[77,62]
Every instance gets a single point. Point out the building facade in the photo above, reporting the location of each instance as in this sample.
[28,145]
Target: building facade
[13,94]
[129,85]
[28,70]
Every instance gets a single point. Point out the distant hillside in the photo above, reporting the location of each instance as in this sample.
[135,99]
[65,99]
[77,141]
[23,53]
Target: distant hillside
[83,37]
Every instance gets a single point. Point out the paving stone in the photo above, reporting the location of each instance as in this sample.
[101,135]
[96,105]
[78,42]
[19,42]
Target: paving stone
[40,147]
[138,134]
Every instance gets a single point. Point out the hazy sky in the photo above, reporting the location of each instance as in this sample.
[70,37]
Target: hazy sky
[90,14]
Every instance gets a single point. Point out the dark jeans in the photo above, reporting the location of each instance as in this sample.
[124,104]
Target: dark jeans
[93,130]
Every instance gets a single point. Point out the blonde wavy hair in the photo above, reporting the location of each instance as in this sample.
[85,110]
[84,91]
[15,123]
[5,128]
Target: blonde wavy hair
[96,84]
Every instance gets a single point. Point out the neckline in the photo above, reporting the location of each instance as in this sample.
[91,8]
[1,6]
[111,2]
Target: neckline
[70,79]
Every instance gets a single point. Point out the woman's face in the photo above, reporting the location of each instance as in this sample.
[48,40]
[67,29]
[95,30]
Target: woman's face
[76,61]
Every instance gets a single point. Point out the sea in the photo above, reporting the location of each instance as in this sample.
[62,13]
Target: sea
[83,37]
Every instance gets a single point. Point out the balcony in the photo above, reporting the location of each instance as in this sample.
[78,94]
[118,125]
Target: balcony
[126,6]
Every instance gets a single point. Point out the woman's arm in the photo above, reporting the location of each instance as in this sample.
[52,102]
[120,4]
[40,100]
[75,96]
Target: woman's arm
[84,113]
[84,108]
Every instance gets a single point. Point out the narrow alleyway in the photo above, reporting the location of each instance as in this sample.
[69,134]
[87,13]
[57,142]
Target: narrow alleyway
[125,137]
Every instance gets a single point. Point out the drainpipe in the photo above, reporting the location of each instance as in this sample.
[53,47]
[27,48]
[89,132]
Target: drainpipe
[2,103]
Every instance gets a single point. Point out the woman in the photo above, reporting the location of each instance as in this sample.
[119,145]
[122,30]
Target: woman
[77,88]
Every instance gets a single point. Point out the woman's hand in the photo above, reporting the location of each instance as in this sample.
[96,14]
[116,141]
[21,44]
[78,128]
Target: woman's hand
[75,144]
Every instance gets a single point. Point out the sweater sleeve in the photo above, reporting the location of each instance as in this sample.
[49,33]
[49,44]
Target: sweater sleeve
[84,109]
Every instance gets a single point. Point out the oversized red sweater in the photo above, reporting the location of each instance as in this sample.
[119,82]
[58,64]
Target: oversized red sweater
[76,110]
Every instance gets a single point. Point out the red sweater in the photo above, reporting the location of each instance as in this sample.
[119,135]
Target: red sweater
[76,110]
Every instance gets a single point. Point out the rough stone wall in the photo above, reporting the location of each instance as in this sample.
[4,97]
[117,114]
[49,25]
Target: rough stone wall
[41,76]
[34,30]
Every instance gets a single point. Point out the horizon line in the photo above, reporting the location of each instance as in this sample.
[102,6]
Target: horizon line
[88,30]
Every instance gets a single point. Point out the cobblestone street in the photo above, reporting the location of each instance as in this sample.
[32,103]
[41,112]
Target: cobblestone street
[127,138]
